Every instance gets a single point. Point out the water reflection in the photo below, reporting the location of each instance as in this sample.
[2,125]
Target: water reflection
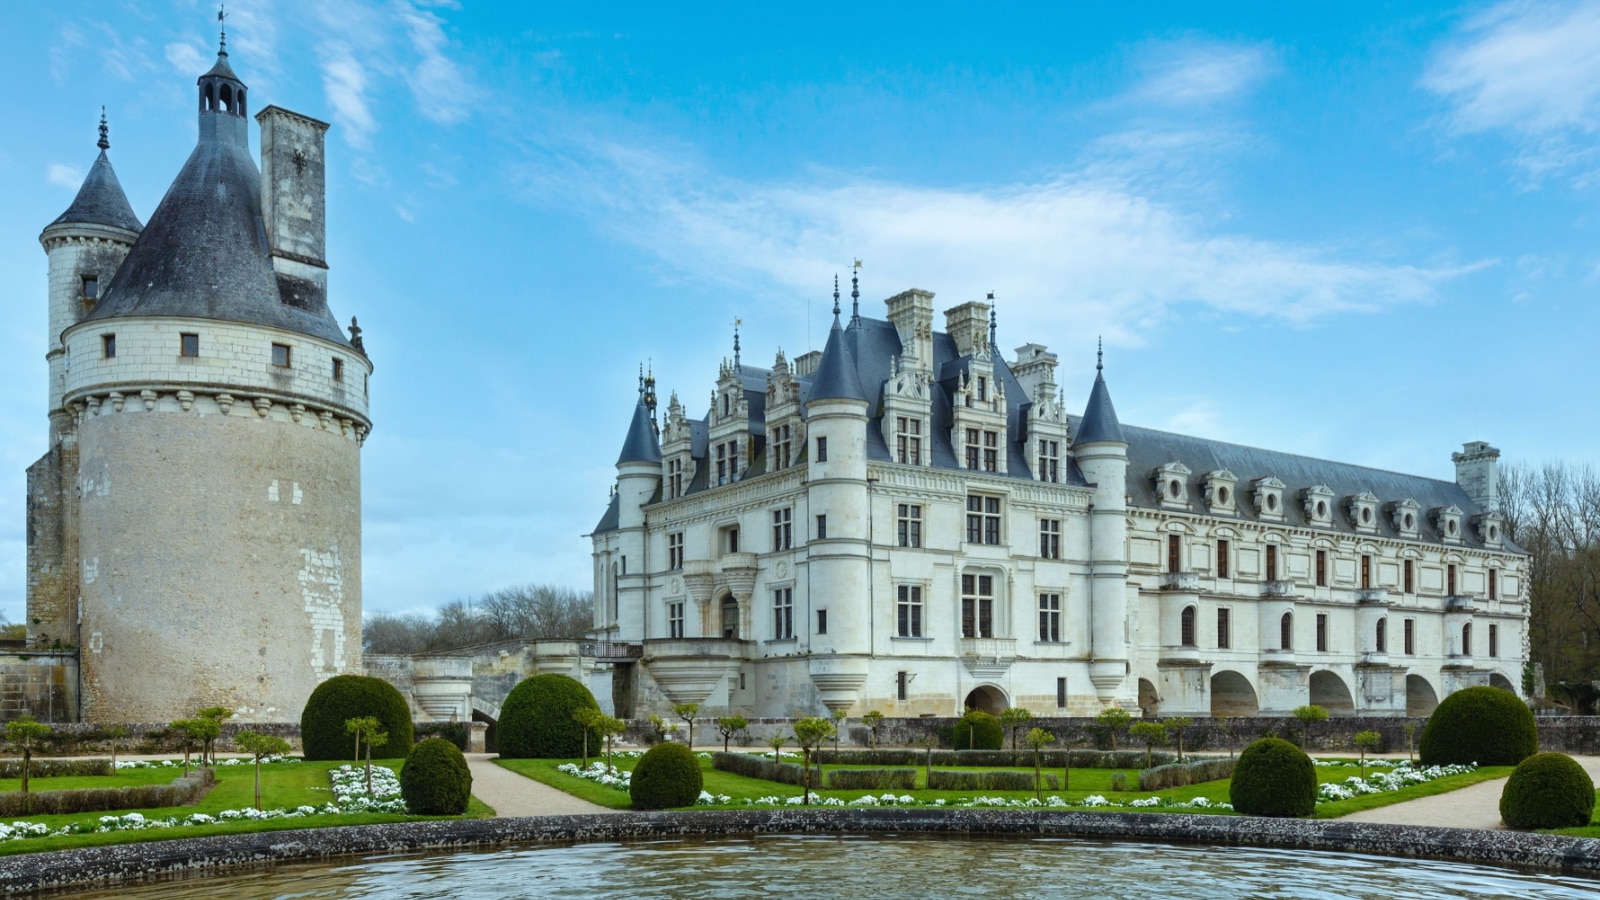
[877,867]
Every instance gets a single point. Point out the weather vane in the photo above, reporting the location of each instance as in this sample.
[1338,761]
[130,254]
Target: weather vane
[222,15]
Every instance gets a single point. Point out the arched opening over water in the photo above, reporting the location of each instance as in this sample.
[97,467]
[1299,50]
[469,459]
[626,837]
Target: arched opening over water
[1232,695]
[1421,700]
[988,698]
[1149,700]
[1330,692]
[1501,682]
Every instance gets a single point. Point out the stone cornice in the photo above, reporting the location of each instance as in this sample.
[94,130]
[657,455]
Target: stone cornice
[149,397]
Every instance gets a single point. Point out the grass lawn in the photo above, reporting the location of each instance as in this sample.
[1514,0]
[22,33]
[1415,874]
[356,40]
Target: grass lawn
[1592,830]
[284,785]
[1084,782]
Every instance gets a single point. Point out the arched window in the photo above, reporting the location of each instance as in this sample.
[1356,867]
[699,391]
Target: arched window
[1382,644]
[1466,639]
[614,586]
[227,98]
[241,101]
[1187,622]
[210,99]
[1286,632]
[730,617]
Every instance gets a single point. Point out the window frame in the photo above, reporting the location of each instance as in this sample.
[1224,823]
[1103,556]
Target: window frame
[822,448]
[1223,560]
[1322,632]
[1050,617]
[783,614]
[1322,568]
[338,370]
[189,341]
[822,526]
[782,529]
[1224,628]
[985,523]
[108,346]
[287,355]
[977,605]
[908,525]
[909,611]
[1188,628]
[1049,538]
[675,619]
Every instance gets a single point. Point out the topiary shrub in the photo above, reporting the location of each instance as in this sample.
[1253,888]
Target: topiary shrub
[1274,778]
[435,780]
[343,697]
[1547,790]
[977,730]
[536,719]
[1484,725]
[667,776]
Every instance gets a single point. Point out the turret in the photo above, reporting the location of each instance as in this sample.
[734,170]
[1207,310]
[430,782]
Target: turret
[1102,454]
[638,476]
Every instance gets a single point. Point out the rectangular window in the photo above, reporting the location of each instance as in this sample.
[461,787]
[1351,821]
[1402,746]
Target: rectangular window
[983,520]
[781,444]
[822,528]
[1408,570]
[1322,568]
[727,462]
[1050,461]
[1061,693]
[189,345]
[822,621]
[1174,548]
[1272,562]
[1222,558]
[108,346]
[1411,637]
[1450,581]
[908,439]
[1187,627]
[983,389]
[1322,632]
[977,606]
[338,369]
[1224,629]
[782,529]
[822,449]
[783,614]
[1050,538]
[1366,571]
[1050,618]
[675,550]
[908,525]
[991,451]
[1466,639]
[1494,590]
[1494,639]
[972,448]
[675,620]
[674,479]
[908,611]
[280,355]
[1382,642]
[733,540]
[900,680]
[91,289]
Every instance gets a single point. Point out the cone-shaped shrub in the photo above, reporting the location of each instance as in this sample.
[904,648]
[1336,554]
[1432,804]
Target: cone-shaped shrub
[345,697]
[1274,778]
[536,719]
[667,776]
[435,780]
[1489,726]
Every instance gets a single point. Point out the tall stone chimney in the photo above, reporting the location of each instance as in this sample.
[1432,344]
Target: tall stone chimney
[293,203]
[1478,473]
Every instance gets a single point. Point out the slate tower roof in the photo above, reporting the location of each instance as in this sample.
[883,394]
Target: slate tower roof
[100,200]
[836,377]
[1099,421]
[641,444]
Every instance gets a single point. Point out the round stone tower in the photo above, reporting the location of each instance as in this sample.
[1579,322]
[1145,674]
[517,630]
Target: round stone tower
[218,413]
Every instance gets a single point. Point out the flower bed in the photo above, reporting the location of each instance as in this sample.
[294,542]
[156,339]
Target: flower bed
[178,763]
[350,790]
[1093,801]
[1403,776]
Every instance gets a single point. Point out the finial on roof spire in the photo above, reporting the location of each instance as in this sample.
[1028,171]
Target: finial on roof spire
[105,138]
[836,295]
[737,366]
[222,26]
[993,326]
[1099,354]
[641,381]
[855,293]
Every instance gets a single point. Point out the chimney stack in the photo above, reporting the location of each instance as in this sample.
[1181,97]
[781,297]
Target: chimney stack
[293,203]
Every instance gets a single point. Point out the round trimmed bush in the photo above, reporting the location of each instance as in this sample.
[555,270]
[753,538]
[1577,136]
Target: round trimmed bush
[977,730]
[667,776]
[1548,790]
[435,780]
[536,719]
[1274,778]
[344,697]
[1489,726]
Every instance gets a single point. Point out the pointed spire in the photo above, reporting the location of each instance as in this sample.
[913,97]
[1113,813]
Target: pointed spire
[100,200]
[1099,354]
[1099,417]
[836,298]
[642,444]
[855,294]
[737,366]
[222,26]
[836,377]
[993,328]
[105,133]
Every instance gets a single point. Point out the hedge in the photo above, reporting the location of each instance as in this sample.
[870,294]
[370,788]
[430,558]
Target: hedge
[454,732]
[435,780]
[957,780]
[666,777]
[1489,726]
[1274,778]
[764,768]
[536,719]
[345,697]
[1055,759]
[1165,778]
[873,779]
[56,768]
[977,730]
[185,790]
[1547,790]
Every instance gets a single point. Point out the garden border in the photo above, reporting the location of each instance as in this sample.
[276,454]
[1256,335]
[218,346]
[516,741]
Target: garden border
[164,860]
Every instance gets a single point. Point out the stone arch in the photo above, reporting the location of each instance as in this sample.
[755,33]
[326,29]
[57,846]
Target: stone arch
[1330,692]
[1501,682]
[1149,699]
[1421,699]
[1233,695]
[988,698]
[226,99]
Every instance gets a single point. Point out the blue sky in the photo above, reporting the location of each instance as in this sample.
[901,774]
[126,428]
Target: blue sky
[1364,232]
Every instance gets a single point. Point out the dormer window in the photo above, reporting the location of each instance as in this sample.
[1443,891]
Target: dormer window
[1050,461]
[1406,515]
[1172,485]
[1267,495]
[91,289]
[1490,529]
[1448,521]
[1363,512]
[782,446]
[1220,491]
[983,389]
[908,440]
[1317,501]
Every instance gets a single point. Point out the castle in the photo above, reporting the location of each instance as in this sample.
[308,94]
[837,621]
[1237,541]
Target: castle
[194,529]
[909,522]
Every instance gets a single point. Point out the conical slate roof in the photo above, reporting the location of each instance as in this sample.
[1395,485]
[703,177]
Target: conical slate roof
[1099,417]
[836,377]
[100,200]
[641,445]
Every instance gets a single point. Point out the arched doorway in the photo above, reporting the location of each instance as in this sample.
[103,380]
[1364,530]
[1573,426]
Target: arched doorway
[1501,682]
[1330,692]
[988,698]
[1149,700]
[1421,699]
[730,617]
[1232,695]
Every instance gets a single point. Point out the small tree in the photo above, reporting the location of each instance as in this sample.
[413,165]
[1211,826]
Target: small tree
[1113,720]
[609,727]
[263,745]
[372,729]
[872,720]
[357,727]
[114,735]
[1176,725]
[1366,741]
[809,731]
[927,742]
[1411,740]
[1151,733]
[728,726]
[1309,715]
[1225,725]
[26,733]
[1038,739]
[1067,743]
[219,714]
[193,733]
[839,716]
[588,717]
[661,728]
[776,742]
[686,712]
[1013,719]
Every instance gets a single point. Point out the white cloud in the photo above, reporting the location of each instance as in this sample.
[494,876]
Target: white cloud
[442,92]
[186,59]
[1191,73]
[344,80]
[64,176]
[1532,69]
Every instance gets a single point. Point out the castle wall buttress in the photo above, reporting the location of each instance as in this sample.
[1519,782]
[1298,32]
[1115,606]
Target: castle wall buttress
[52,536]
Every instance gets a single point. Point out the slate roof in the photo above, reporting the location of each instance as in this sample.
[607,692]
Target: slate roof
[836,377]
[641,444]
[1099,420]
[100,200]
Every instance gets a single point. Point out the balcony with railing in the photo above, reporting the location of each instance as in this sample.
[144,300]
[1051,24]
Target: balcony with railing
[1282,589]
[988,657]
[1183,582]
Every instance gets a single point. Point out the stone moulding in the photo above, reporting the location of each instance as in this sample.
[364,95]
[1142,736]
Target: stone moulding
[159,860]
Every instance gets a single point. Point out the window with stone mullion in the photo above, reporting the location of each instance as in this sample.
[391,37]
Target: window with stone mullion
[783,614]
[977,606]
[909,611]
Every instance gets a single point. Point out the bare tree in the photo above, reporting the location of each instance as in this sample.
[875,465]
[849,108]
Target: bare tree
[522,613]
[1553,512]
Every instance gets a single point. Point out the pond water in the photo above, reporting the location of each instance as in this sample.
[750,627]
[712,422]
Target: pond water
[876,867]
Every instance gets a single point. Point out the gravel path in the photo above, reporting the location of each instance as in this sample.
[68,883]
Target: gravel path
[512,795]
[1477,806]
